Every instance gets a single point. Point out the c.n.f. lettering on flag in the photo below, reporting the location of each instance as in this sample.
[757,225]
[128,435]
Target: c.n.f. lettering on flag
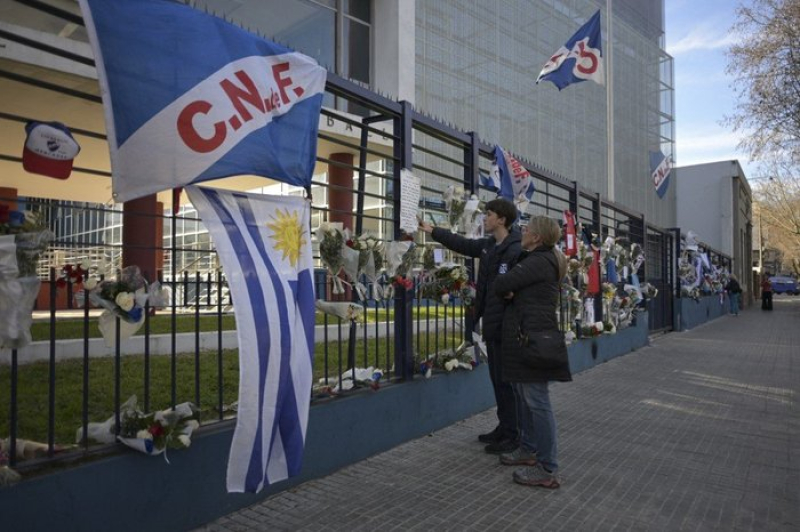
[660,167]
[189,97]
[515,181]
[265,248]
[580,59]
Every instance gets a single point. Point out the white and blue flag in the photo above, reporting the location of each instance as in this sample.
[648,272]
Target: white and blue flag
[580,59]
[660,167]
[189,97]
[265,248]
[513,181]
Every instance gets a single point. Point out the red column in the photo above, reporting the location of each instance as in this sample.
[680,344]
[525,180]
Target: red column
[140,236]
[8,197]
[340,192]
[340,201]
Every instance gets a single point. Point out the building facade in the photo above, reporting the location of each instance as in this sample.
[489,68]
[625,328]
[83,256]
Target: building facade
[714,200]
[470,64]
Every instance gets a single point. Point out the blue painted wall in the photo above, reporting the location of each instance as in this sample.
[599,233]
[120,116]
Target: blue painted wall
[131,491]
[691,313]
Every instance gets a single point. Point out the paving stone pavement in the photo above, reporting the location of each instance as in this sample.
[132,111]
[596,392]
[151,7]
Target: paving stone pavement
[699,431]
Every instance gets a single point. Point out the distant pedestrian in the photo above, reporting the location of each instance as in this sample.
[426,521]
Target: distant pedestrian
[497,253]
[766,294]
[534,352]
[734,294]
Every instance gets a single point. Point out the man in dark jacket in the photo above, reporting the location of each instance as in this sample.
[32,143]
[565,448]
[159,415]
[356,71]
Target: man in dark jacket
[497,253]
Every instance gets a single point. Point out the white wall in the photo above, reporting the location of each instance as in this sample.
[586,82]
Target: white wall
[394,44]
[704,197]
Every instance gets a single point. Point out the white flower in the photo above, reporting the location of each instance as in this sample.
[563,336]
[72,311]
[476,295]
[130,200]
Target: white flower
[144,434]
[445,299]
[86,264]
[185,440]
[90,283]
[124,300]
[451,364]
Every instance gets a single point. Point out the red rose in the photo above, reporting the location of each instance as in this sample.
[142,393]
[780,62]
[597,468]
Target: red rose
[61,282]
[156,430]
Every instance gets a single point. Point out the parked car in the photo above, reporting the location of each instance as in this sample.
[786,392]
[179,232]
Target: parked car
[784,285]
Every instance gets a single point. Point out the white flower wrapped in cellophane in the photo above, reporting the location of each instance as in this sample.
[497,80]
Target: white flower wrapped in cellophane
[454,202]
[123,298]
[363,256]
[330,237]
[400,255]
[19,283]
[343,309]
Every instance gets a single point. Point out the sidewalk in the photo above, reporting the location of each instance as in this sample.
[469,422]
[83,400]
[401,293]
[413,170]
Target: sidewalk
[699,431]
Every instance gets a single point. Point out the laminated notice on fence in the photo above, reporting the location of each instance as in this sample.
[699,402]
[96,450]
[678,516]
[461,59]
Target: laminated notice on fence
[409,201]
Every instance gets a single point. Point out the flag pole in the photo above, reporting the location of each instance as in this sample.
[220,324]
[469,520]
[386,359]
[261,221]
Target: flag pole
[610,100]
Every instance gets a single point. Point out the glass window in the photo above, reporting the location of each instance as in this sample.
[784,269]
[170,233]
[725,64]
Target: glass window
[359,9]
[305,26]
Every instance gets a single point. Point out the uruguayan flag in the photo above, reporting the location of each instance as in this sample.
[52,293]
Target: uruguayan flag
[580,59]
[189,97]
[265,248]
[515,181]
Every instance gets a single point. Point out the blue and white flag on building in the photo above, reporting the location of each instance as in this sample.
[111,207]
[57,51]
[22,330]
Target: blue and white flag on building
[512,179]
[490,181]
[660,167]
[190,97]
[265,248]
[580,59]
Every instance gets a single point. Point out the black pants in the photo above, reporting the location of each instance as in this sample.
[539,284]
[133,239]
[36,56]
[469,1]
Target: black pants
[503,393]
[766,300]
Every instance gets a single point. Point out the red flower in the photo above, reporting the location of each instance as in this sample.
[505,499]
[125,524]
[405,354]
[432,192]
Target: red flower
[61,282]
[349,243]
[156,430]
[68,268]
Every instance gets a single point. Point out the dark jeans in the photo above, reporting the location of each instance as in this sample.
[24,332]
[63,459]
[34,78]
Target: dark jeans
[766,300]
[503,393]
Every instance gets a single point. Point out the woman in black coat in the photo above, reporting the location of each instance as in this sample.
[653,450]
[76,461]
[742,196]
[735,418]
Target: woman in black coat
[532,289]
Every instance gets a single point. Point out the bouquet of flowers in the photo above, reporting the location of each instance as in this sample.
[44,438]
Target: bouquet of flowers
[22,240]
[648,290]
[331,241]
[156,432]
[352,378]
[454,203]
[363,255]
[462,357]
[446,280]
[400,255]
[125,299]
[343,309]
[609,291]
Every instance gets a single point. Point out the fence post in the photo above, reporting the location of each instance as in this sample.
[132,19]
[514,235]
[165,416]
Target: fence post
[471,182]
[403,326]
[676,257]
[597,220]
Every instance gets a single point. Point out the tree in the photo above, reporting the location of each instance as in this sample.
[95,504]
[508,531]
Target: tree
[779,210]
[766,66]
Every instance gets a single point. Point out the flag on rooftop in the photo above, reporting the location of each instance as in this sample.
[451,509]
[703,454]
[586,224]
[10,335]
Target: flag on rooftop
[515,181]
[580,59]
[189,97]
[660,167]
[265,248]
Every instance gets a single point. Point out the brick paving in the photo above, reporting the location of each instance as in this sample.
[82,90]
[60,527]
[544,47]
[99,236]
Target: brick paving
[699,431]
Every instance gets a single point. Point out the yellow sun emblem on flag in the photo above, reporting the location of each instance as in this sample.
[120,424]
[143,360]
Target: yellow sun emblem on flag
[288,234]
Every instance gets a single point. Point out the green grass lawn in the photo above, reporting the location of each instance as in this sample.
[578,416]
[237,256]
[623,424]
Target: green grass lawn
[72,328]
[33,379]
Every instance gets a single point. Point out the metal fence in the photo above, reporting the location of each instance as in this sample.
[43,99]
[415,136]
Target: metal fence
[185,352]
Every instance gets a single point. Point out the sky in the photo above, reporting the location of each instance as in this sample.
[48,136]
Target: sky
[698,34]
